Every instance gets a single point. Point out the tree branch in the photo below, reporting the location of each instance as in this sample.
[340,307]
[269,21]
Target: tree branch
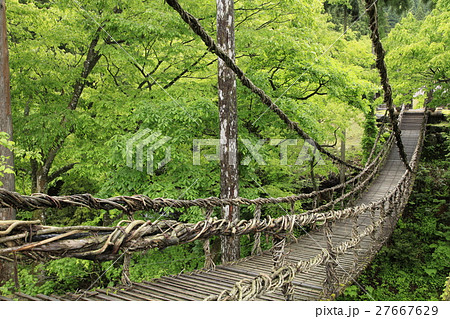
[179,76]
[93,56]
[60,172]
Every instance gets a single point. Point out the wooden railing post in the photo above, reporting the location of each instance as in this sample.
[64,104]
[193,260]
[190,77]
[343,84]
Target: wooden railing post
[256,250]
[357,246]
[278,258]
[209,262]
[331,281]
[126,269]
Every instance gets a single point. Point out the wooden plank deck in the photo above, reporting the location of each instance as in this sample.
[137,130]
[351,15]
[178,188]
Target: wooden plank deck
[201,284]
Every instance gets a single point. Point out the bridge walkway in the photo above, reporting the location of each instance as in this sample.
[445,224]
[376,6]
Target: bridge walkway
[308,286]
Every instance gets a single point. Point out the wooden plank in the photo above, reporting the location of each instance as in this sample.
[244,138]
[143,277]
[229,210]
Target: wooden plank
[165,284]
[225,285]
[133,294]
[194,285]
[47,298]
[103,297]
[89,296]
[161,292]
[206,285]
[145,293]
[27,297]
[112,295]
[62,298]
[238,270]
[3,298]
[211,281]
[228,277]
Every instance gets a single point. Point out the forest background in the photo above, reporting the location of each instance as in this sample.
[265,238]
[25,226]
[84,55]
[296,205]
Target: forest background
[86,76]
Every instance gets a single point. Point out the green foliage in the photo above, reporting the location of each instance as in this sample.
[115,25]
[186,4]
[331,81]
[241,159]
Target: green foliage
[422,61]
[370,134]
[4,168]
[280,45]
[446,295]
[154,74]
[172,260]
[59,276]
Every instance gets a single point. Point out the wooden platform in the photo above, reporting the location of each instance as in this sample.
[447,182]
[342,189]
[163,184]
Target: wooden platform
[201,284]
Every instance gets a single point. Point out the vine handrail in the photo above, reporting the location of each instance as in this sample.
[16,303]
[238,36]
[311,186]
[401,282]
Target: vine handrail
[393,202]
[105,242]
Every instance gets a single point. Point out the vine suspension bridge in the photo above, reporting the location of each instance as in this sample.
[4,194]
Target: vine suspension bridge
[347,224]
[315,266]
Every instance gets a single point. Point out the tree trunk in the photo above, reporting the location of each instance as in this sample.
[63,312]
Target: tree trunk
[342,168]
[5,109]
[229,175]
[6,268]
[40,173]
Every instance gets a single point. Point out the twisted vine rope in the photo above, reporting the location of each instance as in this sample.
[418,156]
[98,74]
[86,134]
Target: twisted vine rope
[249,289]
[129,204]
[256,249]
[103,242]
[371,10]
[209,262]
[214,48]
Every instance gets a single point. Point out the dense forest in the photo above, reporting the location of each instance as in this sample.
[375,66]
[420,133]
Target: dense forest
[87,76]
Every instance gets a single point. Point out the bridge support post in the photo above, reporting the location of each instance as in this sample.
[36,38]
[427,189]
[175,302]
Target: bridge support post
[8,181]
[256,250]
[278,258]
[331,281]
[126,270]
[209,262]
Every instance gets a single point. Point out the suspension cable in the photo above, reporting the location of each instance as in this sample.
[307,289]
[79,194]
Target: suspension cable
[371,9]
[212,47]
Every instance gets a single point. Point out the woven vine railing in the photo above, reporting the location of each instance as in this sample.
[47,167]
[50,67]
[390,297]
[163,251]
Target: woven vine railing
[103,243]
[34,240]
[384,216]
[106,242]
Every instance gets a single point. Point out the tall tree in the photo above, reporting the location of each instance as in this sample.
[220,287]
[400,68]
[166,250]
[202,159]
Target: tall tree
[7,180]
[229,174]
